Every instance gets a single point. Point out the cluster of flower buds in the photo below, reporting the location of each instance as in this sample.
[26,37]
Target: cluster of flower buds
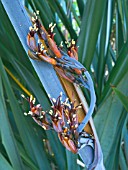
[43,47]
[62,118]
[46,48]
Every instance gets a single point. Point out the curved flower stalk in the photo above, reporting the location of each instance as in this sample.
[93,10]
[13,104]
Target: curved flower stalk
[66,65]
[62,118]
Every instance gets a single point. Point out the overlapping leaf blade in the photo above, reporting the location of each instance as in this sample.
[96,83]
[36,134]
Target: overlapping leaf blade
[107,121]
[4,163]
[25,130]
[122,97]
[7,136]
[87,42]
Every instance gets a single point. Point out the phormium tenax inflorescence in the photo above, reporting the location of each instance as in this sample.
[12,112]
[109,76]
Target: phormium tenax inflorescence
[62,118]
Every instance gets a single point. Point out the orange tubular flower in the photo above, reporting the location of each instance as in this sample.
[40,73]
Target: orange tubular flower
[72,50]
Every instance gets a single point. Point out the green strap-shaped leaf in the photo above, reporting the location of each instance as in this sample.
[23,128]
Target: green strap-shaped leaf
[7,136]
[25,129]
[107,121]
[4,163]
[122,97]
[90,27]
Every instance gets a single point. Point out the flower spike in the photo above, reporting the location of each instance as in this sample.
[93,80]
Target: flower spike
[67,66]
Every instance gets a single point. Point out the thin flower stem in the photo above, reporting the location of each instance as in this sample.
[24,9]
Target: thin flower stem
[92,105]
[17,82]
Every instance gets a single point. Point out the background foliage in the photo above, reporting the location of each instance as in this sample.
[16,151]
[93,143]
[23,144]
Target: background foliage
[103,50]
